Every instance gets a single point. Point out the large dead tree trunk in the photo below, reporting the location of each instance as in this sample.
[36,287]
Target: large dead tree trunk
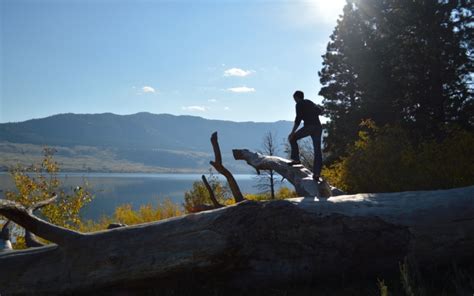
[299,176]
[252,242]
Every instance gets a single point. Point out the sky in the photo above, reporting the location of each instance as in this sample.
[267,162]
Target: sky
[218,59]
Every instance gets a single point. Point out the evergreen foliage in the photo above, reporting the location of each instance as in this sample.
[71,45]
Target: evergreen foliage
[402,62]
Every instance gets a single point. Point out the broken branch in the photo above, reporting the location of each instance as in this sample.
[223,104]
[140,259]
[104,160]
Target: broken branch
[23,217]
[217,164]
[211,193]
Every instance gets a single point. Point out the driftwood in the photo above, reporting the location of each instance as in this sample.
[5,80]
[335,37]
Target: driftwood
[217,164]
[299,176]
[243,244]
[30,239]
[211,193]
[250,243]
[299,240]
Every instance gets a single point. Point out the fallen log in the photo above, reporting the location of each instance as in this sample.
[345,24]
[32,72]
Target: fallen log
[249,243]
[299,176]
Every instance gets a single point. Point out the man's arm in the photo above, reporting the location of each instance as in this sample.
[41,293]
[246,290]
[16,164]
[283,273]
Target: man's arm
[295,126]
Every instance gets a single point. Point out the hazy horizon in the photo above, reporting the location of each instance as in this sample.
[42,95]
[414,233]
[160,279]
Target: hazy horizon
[131,114]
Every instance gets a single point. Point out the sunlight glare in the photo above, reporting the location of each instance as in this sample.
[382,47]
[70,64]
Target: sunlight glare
[326,11]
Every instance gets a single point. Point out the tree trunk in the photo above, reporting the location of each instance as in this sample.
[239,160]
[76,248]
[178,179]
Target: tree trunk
[251,243]
[298,175]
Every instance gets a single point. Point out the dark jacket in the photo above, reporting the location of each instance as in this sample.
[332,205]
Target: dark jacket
[309,112]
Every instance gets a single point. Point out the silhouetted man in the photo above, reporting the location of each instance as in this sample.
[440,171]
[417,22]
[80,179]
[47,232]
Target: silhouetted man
[308,112]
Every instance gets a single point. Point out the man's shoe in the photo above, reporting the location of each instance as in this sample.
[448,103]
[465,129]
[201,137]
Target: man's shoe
[294,162]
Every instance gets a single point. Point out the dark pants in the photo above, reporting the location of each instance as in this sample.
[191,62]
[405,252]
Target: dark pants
[315,132]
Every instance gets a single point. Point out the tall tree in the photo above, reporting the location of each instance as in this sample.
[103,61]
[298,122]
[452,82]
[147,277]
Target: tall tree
[339,78]
[399,61]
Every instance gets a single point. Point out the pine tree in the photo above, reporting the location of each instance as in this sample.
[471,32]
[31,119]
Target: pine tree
[399,61]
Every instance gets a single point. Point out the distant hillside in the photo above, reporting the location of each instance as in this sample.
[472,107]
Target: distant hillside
[138,142]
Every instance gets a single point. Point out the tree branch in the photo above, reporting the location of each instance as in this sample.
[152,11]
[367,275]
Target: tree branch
[211,193]
[217,164]
[24,217]
[30,239]
[42,203]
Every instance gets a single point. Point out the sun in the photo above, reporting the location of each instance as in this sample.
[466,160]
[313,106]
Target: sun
[326,10]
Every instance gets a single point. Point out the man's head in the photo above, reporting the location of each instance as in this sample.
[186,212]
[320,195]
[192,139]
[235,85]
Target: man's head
[298,96]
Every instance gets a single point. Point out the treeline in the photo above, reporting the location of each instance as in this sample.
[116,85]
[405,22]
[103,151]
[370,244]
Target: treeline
[406,68]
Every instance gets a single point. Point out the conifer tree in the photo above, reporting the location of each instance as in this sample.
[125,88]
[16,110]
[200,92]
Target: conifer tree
[399,61]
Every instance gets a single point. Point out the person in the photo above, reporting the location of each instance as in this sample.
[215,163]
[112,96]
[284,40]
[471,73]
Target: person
[308,112]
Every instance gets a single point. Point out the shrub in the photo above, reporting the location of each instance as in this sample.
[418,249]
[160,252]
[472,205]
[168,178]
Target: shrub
[385,160]
[39,182]
[199,195]
[282,193]
[125,214]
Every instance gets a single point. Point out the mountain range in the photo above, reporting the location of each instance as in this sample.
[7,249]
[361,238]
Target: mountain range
[141,142]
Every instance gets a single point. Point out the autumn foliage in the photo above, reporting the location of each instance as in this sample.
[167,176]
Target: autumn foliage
[384,159]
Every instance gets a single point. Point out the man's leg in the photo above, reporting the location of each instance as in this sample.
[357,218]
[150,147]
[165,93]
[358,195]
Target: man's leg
[295,151]
[301,133]
[318,156]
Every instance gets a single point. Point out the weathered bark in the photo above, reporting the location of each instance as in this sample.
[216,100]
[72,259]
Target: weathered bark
[116,225]
[30,239]
[217,164]
[24,217]
[442,221]
[299,176]
[254,242]
[5,237]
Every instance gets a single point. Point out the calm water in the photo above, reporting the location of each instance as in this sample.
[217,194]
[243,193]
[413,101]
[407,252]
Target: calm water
[111,190]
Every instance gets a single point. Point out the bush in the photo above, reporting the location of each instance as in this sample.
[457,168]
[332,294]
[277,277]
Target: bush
[199,195]
[385,160]
[125,214]
[39,182]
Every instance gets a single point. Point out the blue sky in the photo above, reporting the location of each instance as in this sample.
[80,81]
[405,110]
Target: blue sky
[231,60]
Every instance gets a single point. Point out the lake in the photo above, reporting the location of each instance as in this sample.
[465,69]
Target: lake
[114,189]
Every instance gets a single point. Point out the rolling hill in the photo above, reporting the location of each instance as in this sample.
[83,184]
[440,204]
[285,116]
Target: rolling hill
[141,142]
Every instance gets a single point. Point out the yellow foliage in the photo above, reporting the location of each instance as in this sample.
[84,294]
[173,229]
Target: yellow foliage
[125,214]
[198,195]
[282,193]
[385,160]
[147,213]
[285,192]
[40,182]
